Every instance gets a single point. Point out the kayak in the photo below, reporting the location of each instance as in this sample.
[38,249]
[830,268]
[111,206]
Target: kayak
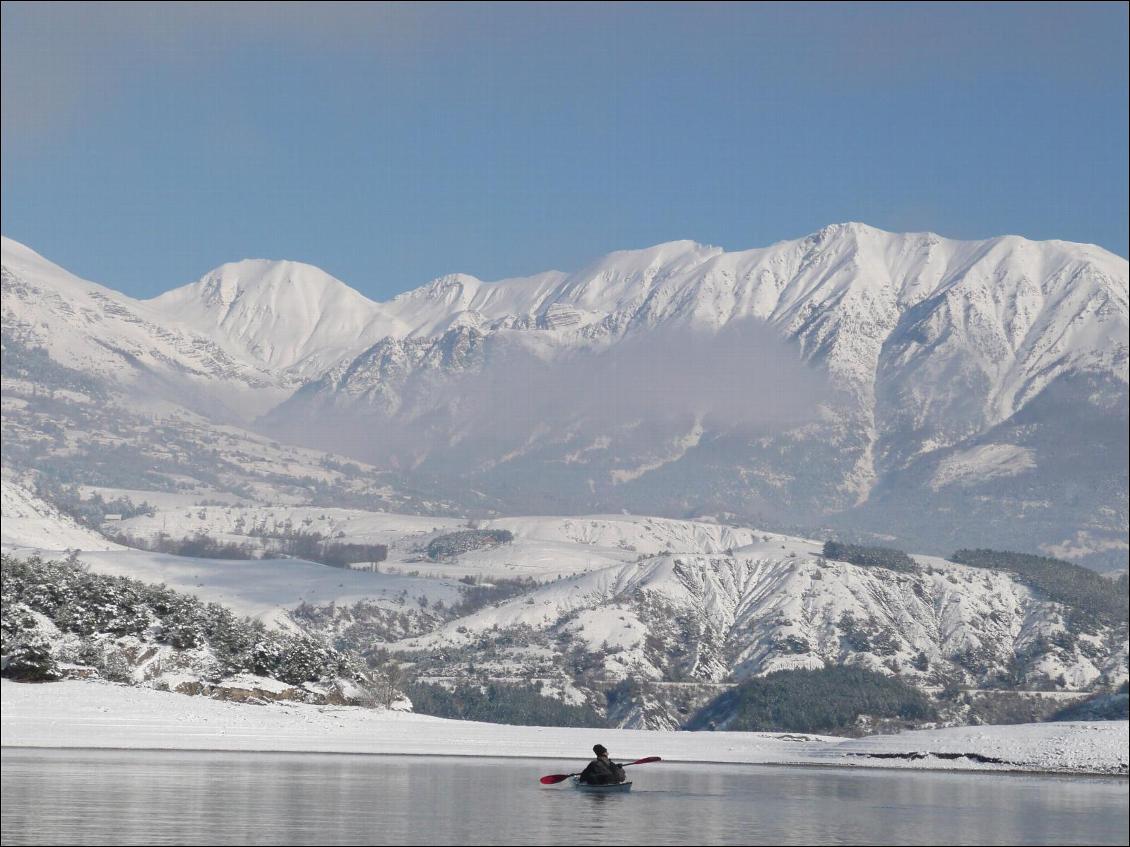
[611,788]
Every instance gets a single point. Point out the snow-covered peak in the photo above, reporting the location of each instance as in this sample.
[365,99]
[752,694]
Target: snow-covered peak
[603,287]
[261,278]
[847,229]
[668,254]
[288,316]
[449,289]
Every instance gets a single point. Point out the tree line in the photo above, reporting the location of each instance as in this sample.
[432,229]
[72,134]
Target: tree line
[1094,598]
[499,703]
[827,700]
[869,557]
[311,546]
[95,607]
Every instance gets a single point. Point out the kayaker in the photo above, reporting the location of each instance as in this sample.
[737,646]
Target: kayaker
[602,770]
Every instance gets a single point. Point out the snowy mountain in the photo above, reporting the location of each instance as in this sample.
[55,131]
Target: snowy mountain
[874,306]
[102,389]
[285,317]
[940,392]
[113,338]
[928,369]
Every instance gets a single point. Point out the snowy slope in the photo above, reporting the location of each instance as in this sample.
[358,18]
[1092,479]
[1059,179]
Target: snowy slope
[543,547]
[660,599]
[267,589]
[102,388]
[353,526]
[773,605]
[632,533]
[30,522]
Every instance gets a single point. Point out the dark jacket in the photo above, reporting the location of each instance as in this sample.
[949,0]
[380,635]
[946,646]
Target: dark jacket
[602,772]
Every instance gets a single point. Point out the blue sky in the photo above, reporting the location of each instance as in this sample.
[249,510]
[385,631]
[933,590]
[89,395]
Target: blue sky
[390,144]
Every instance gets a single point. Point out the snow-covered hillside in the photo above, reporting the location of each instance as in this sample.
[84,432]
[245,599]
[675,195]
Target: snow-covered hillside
[30,522]
[684,609]
[267,589]
[248,522]
[66,621]
[542,547]
[101,389]
[632,533]
[773,605]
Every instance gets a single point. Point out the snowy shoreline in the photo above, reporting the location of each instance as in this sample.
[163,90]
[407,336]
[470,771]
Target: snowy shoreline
[98,715]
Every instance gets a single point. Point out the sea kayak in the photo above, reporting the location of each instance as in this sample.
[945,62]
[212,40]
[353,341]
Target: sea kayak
[611,788]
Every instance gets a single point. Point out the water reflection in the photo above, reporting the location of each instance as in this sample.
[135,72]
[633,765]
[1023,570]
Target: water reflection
[87,797]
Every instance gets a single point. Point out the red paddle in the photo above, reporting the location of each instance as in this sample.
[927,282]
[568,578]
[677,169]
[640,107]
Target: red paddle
[555,778]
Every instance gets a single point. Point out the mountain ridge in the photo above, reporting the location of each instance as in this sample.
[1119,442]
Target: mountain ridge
[937,347]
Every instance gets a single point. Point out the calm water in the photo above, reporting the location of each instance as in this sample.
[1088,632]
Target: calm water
[87,797]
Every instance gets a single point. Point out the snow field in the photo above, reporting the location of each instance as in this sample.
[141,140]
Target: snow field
[101,715]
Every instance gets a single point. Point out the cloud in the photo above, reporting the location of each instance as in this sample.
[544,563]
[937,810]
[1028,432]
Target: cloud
[513,399]
[744,375]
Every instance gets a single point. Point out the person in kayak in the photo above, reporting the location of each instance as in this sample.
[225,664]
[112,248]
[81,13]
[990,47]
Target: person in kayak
[602,770]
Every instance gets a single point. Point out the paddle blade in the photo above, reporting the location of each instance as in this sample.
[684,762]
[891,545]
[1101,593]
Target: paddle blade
[645,760]
[554,778]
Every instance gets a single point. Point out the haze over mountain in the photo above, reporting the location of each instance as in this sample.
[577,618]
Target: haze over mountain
[904,385]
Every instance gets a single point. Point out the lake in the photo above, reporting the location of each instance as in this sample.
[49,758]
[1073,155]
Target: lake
[152,797]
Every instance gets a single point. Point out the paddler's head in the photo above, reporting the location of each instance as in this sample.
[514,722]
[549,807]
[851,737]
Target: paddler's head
[600,750]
